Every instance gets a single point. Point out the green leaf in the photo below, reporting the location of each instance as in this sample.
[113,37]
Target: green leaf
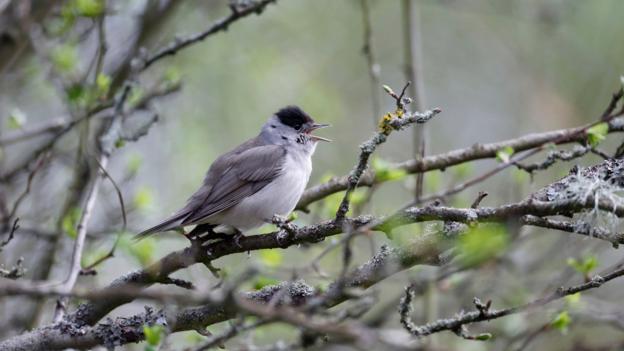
[143,251]
[504,154]
[358,196]
[153,334]
[134,163]
[597,133]
[143,198]
[484,336]
[79,95]
[573,299]
[16,119]
[65,58]
[172,76]
[463,170]
[263,281]
[70,222]
[561,322]
[60,25]
[90,8]
[119,143]
[482,243]
[103,83]
[585,266]
[136,94]
[271,258]
[385,172]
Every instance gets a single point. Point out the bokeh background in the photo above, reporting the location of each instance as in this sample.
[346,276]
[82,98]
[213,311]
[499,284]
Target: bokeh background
[497,69]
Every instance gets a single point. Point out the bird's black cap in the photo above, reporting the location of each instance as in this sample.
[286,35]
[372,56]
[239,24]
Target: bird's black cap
[293,116]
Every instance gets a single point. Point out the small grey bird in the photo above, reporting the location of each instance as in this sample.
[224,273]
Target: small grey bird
[245,187]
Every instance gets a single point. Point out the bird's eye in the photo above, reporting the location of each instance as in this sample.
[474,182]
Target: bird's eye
[297,126]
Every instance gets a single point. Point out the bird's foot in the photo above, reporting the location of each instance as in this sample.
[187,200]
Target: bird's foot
[236,237]
[203,235]
[287,229]
[214,270]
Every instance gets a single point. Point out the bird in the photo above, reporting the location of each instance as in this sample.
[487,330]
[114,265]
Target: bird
[246,187]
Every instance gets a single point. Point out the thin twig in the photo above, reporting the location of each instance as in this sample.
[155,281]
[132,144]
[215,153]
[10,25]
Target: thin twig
[480,315]
[369,53]
[220,25]
[14,228]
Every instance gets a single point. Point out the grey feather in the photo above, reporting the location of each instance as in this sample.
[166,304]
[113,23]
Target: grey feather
[248,172]
[232,177]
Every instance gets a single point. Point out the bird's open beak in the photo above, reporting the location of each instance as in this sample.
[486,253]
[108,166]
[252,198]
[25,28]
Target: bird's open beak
[314,127]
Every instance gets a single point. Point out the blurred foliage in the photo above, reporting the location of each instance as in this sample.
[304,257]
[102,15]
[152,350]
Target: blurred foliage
[142,251]
[262,281]
[597,133]
[561,322]
[584,266]
[65,58]
[16,119]
[143,198]
[385,172]
[271,258]
[482,243]
[153,335]
[504,154]
[70,222]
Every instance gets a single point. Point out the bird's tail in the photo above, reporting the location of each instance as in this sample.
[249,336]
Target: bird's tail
[169,224]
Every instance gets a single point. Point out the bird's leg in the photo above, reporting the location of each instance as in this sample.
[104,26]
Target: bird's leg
[236,237]
[287,228]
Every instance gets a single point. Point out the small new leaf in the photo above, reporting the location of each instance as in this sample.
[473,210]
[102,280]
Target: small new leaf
[388,89]
[263,281]
[586,266]
[484,336]
[271,257]
[90,8]
[482,244]
[103,83]
[561,322]
[172,76]
[153,334]
[597,133]
[17,119]
[384,172]
[143,198]
[573,299]
[70,221]
[65,58]
[504,154]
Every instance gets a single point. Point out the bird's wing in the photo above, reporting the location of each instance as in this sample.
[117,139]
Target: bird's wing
[233,179]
